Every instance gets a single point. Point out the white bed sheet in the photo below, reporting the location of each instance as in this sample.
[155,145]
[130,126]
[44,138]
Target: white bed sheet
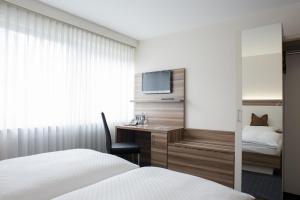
[262,149]
[151,183]
[261,139]
[262,135]
[48,175]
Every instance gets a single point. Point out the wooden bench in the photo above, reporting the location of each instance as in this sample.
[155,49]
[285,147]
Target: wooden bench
[204,153]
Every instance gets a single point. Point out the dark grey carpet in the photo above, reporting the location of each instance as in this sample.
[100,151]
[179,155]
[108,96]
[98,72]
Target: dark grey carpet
[262,186]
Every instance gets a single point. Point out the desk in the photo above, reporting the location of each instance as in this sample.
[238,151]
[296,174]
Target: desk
[205,153]
[153,140]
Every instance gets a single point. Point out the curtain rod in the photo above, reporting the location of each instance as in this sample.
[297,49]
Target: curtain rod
[62,16]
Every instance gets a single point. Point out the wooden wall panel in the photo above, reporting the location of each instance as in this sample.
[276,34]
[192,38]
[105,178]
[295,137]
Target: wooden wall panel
[159,149]
[262,102]
[261,160]
[165,113]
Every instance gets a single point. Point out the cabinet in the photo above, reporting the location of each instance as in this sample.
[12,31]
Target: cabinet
[204,153]
[159,150]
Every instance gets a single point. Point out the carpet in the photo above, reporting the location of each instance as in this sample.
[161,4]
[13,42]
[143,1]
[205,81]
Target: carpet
[262,186]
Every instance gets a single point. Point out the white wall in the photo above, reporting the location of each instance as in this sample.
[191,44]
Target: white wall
[262,76]
[210,72]
[275,117]
[262,40]
[212,57]
[262,62]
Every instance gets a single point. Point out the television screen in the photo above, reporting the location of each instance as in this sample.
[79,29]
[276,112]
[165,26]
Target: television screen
[156,82]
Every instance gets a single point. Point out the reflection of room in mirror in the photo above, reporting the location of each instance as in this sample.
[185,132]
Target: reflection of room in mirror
[262,119]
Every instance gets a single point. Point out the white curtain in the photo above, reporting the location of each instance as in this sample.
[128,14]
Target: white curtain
[55,79]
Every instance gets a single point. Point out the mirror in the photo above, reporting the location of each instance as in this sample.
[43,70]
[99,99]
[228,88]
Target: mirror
[262,112]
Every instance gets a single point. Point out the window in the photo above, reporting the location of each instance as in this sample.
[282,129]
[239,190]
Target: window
[55,79]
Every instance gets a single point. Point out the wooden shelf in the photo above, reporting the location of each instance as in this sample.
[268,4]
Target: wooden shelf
[157,101]
[264,102]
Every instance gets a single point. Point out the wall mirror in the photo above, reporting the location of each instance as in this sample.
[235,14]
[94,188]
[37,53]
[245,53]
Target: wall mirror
[262,118]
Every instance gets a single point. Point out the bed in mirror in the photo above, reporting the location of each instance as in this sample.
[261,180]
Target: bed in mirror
[262,135]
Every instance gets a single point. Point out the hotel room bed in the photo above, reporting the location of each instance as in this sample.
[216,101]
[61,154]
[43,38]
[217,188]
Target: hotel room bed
[262,149]
[48,175]
[86,174]
[262,146]
[152,183]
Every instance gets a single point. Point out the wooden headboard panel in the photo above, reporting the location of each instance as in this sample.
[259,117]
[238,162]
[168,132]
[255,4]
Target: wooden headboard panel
[162,109]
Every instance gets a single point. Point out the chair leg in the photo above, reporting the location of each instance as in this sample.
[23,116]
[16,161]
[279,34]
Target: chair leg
[139,157]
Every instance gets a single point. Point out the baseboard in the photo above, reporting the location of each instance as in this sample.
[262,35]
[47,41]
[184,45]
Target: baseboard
[289,196]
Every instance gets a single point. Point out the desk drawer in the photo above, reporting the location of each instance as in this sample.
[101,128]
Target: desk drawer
[159,146]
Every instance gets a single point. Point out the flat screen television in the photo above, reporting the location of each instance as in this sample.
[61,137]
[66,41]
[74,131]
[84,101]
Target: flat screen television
[156,82]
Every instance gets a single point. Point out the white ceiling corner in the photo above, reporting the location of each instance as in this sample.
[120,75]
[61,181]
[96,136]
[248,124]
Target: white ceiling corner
[143,19]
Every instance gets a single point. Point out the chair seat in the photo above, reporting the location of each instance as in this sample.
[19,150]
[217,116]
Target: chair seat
[125,148]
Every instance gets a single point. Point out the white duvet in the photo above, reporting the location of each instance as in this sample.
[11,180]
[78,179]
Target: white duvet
[45,176]
[151,183]
[262,139]
[261,135]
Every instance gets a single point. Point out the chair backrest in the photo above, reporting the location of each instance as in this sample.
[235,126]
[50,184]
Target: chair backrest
[107,134]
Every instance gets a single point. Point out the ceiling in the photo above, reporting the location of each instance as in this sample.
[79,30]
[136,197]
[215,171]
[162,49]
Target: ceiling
[143,19]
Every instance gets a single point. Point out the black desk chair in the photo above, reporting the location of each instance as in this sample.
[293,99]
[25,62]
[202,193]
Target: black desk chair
[119,148]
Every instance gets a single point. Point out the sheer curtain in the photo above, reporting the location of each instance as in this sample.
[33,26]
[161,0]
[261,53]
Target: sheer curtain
[55,79]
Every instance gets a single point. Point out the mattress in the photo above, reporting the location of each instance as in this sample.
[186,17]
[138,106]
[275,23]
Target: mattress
[261,139]
[47,175]
[262,149]
[151,183]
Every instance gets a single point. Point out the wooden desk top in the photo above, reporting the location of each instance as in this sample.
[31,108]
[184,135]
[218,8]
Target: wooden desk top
[150,128]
